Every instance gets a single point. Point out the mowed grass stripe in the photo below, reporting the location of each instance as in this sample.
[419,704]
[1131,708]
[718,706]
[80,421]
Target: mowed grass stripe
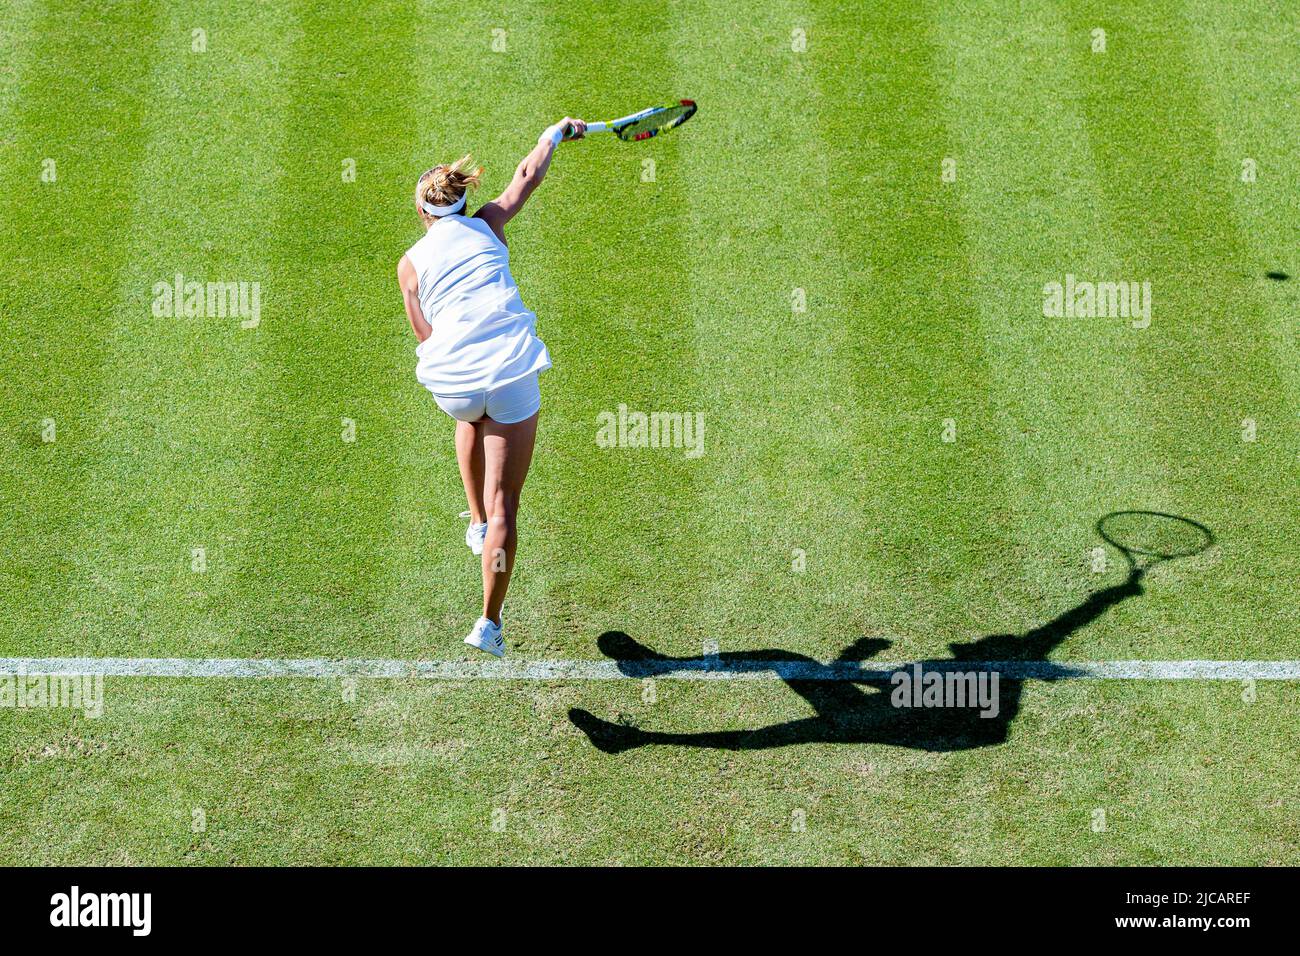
[325,466]
[16,49]
[767,285]
[60,273]
[164,496]
[518,84]
[1208,364]
[942,554]
[477,85]
[1069,417]
[1071,414]
[602,256]
[612,535]
[933,522]
[1251,80]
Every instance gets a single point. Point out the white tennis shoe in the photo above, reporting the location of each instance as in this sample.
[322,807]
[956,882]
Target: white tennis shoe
[475,535]
[486,636]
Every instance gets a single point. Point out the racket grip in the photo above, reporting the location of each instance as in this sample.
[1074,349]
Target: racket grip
[597,128]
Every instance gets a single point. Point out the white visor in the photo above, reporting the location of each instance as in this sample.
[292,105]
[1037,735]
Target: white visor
[433,210]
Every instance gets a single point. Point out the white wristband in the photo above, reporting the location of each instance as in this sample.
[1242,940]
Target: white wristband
[554,133]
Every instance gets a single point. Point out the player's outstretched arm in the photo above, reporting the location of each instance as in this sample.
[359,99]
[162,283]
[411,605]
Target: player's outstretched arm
[528,175]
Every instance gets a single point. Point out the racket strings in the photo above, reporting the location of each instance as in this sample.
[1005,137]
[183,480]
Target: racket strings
[656,122]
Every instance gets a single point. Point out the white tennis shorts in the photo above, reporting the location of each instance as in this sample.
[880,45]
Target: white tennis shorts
[508,404]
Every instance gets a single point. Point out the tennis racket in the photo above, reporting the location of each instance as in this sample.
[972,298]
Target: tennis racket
[1148,537]
[645,124]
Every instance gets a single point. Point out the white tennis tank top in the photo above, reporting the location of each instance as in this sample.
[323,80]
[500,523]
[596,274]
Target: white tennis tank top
[483,336]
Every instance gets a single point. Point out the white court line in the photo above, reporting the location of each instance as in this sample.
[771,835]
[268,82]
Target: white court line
[740,668]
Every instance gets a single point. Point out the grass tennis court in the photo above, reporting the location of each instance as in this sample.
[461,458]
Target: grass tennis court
[839,266]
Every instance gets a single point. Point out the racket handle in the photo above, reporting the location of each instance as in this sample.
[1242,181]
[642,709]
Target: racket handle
[562,133]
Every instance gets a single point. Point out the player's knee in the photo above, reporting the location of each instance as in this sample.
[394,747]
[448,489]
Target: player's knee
[504,506]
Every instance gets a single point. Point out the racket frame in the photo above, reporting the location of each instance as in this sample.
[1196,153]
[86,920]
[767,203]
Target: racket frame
[1134,554]
[613,126]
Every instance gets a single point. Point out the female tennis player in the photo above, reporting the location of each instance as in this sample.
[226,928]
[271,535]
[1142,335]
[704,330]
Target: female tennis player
[478,351]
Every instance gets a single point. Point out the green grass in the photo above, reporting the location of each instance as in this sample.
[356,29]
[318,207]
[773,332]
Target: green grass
[816,170]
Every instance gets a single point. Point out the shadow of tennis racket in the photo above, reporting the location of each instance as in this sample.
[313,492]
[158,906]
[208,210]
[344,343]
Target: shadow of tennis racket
[1147,538]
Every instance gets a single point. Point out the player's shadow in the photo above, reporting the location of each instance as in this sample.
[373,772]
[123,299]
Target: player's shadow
[845,713]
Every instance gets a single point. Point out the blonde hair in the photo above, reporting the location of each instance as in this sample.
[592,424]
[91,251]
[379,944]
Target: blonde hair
[444,185]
